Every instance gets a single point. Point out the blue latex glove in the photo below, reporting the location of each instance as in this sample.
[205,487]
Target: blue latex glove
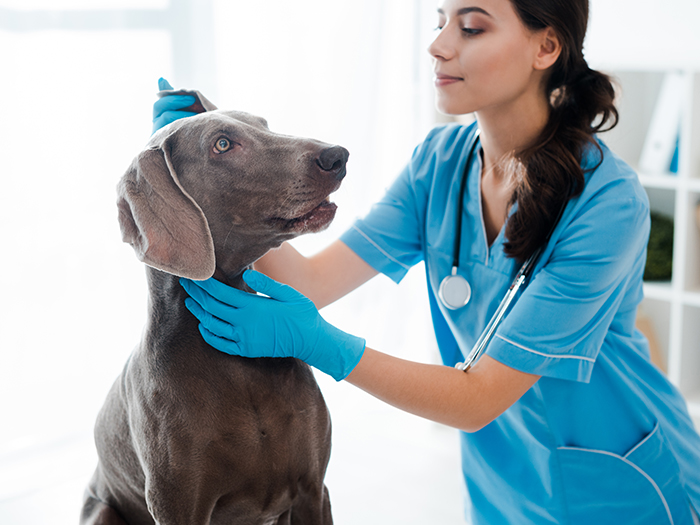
[168,109]
[284,324]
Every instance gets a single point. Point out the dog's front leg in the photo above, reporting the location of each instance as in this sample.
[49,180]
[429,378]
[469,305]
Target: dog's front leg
[176,501]
[177,488]
[95,512]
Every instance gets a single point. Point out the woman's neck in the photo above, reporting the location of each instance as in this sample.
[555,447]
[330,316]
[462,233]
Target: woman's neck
[508,129]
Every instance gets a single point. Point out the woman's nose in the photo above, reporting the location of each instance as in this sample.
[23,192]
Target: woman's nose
[440,49]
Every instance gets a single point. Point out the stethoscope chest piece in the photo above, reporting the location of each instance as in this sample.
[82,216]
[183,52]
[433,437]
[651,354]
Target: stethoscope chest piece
[454,291]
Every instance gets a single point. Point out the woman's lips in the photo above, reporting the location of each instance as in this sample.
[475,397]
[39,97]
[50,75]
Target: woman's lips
[445,80]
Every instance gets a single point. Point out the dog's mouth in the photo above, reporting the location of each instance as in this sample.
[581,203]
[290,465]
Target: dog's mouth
[313,221]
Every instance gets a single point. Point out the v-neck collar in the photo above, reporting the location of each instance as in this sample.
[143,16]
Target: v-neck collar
[497,241]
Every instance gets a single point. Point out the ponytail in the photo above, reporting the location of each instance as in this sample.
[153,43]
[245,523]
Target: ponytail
[581,104]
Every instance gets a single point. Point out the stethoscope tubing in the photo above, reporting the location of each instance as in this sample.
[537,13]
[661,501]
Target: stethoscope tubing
[499,314]
[460,202]
[520,279]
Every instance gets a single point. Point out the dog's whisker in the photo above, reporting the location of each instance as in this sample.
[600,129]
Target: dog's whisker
[227,236]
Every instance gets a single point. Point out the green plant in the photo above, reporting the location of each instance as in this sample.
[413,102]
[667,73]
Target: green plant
[659,265]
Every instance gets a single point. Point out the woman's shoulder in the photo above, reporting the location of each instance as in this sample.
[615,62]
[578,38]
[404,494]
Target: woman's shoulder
[441,152]
[611,178]
[609,220]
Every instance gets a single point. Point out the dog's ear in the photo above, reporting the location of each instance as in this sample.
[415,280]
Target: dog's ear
[201,103]
[164,225]
[206,104]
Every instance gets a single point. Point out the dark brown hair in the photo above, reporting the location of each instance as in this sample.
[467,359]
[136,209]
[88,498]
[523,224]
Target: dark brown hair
[582,103]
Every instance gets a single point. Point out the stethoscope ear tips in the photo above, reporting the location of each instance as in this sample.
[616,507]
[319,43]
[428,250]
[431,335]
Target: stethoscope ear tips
[454,291]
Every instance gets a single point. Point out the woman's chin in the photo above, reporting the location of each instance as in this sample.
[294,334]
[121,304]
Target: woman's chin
[448,112]
[452,108]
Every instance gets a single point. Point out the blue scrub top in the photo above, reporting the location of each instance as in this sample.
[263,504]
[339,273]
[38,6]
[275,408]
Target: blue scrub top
[602,437]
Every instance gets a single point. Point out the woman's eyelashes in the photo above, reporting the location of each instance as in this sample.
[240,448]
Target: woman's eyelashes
[471,31]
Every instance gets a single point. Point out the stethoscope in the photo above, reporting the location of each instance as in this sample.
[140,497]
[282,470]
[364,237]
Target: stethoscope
[455,291]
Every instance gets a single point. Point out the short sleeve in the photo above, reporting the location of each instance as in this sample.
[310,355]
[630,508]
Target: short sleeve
[390,237]
[558,325]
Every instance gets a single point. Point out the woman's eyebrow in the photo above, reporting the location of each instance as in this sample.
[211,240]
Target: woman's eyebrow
[467,10]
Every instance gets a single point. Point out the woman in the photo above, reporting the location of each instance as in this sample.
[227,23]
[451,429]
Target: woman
[564,419]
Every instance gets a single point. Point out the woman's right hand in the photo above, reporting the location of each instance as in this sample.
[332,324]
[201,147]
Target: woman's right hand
[280,323]
[169,108]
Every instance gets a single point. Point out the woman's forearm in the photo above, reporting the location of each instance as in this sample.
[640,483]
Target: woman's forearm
[324,277]
[467,401]
[286,265]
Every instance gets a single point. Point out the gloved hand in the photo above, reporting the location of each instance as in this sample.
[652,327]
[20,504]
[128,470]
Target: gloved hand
[284,324]
[168,109]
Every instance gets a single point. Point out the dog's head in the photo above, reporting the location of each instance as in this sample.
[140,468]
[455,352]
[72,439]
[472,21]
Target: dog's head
[220,189]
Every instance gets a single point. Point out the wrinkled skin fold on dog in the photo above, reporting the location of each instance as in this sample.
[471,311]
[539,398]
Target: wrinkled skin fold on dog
[188,435]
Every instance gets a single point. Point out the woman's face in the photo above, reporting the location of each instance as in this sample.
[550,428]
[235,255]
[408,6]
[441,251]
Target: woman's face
[483,56]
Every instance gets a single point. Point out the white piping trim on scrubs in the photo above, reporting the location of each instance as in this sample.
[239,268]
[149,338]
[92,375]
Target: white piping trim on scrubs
[380,248]
[553,356]
[643,441]
[628,462]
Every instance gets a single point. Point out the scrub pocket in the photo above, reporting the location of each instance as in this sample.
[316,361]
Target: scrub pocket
[639,488]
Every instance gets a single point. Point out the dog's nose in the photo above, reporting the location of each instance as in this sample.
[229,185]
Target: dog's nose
[333,160]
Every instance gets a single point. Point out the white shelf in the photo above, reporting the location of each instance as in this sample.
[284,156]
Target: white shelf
[661,291]
[693,399]
[692,299]
[673,307]
[668,181]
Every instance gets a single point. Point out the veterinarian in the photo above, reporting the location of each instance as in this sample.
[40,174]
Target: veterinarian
[563,418]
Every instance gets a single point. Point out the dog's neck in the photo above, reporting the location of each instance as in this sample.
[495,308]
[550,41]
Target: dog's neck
[235,279]
[170,325]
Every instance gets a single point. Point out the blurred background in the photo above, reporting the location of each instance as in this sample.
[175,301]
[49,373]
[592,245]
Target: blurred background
[78,80]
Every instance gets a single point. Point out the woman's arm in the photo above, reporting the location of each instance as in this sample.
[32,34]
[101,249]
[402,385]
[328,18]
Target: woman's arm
[464,400]
[324,277]
[283,323]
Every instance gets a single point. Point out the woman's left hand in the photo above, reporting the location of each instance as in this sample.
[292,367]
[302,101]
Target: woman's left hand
[170,108]
[283,324]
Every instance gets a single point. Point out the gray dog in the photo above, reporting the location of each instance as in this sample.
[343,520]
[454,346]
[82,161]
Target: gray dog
[188,435]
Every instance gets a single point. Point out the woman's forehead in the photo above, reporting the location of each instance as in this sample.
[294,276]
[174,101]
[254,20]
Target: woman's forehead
[493,8]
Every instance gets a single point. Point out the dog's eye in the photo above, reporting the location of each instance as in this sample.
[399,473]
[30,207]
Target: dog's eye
[222,145]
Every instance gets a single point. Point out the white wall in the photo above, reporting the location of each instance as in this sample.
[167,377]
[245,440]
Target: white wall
[644,34]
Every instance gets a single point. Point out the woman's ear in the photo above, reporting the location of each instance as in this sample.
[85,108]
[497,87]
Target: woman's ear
[549,49]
